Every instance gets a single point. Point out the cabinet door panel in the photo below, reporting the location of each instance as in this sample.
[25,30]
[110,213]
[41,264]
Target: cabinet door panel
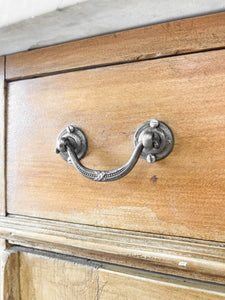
[55,277]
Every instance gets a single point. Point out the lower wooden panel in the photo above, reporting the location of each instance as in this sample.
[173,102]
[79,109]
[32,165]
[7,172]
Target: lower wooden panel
[9,275]
[54,277]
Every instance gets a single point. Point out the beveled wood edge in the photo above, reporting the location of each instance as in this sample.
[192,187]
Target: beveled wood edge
[2,136]
[167,39]
[203,260]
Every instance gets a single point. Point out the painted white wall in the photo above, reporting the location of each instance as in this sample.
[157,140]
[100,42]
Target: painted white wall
[13,11]
[29,24]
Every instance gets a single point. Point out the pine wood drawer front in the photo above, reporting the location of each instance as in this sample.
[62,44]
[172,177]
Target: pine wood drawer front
[180,195]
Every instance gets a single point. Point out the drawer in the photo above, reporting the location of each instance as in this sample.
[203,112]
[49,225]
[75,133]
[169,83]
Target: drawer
[182,195]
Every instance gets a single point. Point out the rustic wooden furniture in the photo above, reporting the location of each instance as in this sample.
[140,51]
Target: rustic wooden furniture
[158,233]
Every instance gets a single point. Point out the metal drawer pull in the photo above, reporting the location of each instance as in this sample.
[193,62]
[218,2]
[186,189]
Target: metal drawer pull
[153,141]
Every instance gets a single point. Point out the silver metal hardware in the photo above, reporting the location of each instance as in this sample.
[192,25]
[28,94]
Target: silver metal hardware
[77,140]
[154,123]
[159,145]
[153,141]
[150,158]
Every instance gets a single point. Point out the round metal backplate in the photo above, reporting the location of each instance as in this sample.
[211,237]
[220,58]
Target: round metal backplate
[166,140]
[77,139]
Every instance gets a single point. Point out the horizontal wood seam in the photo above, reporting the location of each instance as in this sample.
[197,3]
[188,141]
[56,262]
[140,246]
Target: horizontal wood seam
[91,263]
[30,257]
[180,254]
[15,217]
[8,80]
[155,41]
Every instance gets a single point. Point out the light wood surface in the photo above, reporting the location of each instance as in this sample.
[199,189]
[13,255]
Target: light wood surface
[202,260]
[2,139]
[54,277]
[2,244]
[155,218]
[3,260]
[109,104]
[116,283]
[171,38]
[9,275]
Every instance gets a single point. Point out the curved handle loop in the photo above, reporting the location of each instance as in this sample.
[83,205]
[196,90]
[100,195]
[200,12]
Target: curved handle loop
[111,175]
[153,141]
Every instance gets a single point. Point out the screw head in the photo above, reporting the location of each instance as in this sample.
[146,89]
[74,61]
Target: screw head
[151,158]
[57,151]
[70,128]
[154,123]
[69,160]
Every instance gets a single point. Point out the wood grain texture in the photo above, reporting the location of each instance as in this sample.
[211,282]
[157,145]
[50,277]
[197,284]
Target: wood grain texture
[2,139]
[54,279]
[202,260]
[109,104]
[184,36]
[9,275]
[118,283]
[46,276]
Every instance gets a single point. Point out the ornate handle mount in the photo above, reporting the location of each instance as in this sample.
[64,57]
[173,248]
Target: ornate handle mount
[152,141]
